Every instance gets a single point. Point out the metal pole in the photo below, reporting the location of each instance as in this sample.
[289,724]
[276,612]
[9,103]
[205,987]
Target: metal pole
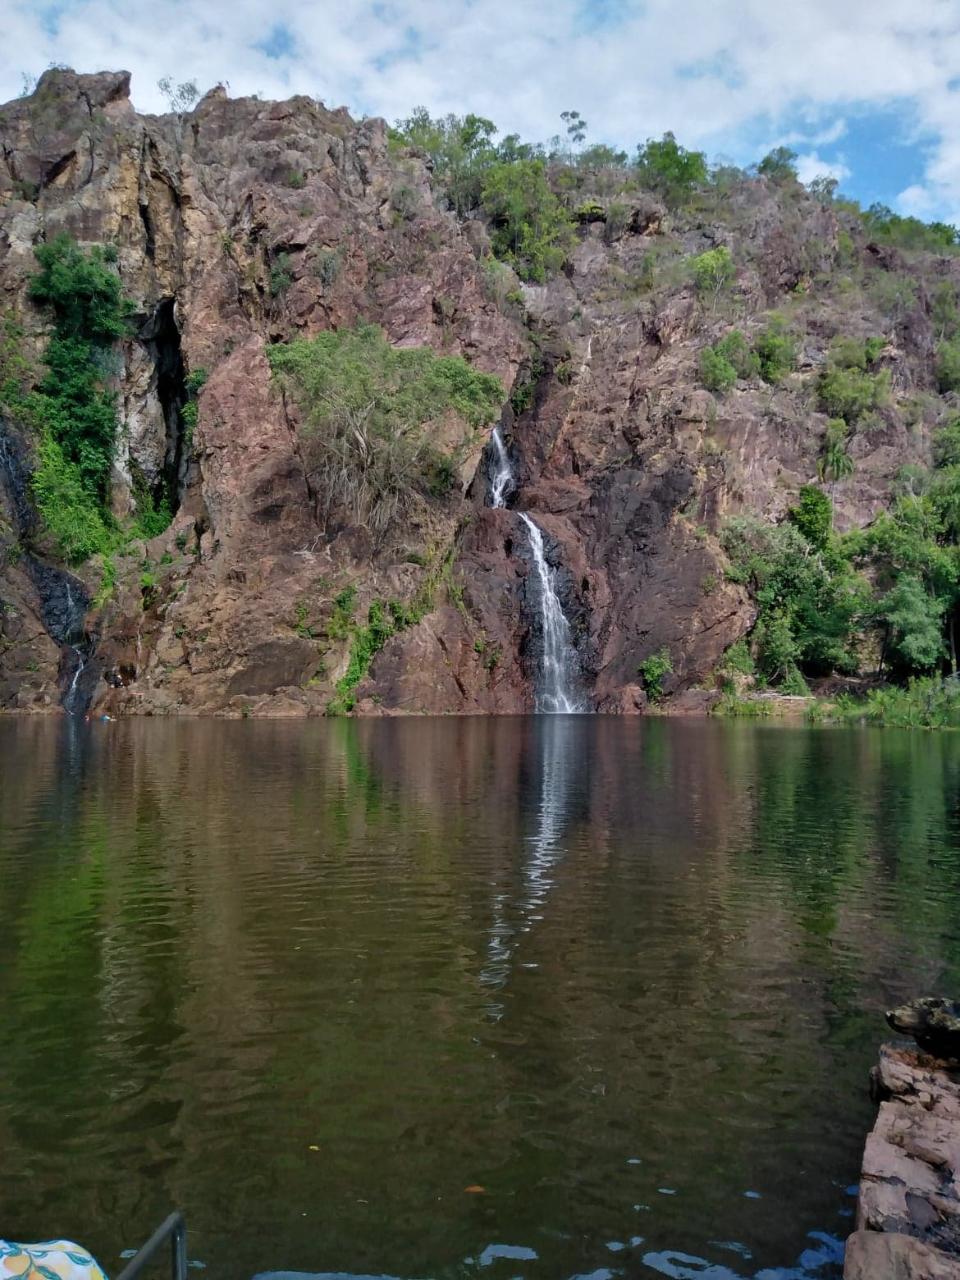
[174,1227]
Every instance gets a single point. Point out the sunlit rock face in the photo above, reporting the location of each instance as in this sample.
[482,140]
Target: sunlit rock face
[245,223]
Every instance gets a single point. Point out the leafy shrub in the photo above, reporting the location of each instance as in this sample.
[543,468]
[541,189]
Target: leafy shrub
[326,265]
[669,169]
[713,271]
[909,233]
[366,404]
[296,180]
[530,227]
[808,602]
[776,353]
[716,372]
[845,389]
[779,165]
[737,658]
[71,515]
[196,379]
[813,516]
[652,672]
[930,703]
[948,366]
[405,202]
[281,277]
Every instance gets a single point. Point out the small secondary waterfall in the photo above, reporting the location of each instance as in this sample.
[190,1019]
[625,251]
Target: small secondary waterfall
[556,695]
[70,701]
[503,476]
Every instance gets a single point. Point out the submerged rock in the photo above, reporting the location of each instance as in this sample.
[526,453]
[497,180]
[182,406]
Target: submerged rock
[933,1022]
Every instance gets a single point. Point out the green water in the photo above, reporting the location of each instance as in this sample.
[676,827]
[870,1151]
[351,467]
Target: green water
[310,982]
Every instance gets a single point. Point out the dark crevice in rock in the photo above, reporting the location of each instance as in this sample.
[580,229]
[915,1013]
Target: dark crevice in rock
[53,169]
[150,239]
[161,339]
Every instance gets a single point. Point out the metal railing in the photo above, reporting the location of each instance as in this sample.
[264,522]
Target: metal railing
[173,1229]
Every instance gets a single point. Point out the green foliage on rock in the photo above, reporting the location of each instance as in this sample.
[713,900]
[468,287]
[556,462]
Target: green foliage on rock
[813,516]
[368,412]
[846,388]
[809,599]
[460,147]
[652,672]
[948,365]
[909,233]
[669,169]
[89,313]
[727,360]
[716,372]
[713,271]
[530,228]
[779,165]
[71,515]
[775,351]
[72,414]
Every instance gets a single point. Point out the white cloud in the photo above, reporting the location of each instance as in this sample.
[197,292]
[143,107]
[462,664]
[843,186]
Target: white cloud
[711,70]
[916,200]
[811,166]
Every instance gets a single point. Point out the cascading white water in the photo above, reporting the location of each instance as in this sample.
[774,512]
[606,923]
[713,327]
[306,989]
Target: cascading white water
[68,702]
[556,695]
[503,476]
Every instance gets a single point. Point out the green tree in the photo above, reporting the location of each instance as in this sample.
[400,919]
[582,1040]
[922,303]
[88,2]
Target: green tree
[576,126]
[776,352]
[74,408]
[914,622]
[835,463]
[813,516]
[652,672]
[713,271]
[948,366]
[669,169]
[461,149]
[780,165]
[530,227]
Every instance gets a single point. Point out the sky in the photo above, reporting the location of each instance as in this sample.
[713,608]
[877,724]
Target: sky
[867,91]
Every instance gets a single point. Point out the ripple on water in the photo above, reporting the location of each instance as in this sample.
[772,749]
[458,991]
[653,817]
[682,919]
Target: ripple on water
[377,998]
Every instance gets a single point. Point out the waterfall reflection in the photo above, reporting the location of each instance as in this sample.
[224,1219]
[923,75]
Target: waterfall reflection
[554,753]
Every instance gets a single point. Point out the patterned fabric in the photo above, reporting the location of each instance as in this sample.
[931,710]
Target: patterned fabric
[50,1260]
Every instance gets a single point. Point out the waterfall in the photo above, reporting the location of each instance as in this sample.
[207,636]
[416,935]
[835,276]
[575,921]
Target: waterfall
[69,702]
[503,476]
[556,696]
[558,673]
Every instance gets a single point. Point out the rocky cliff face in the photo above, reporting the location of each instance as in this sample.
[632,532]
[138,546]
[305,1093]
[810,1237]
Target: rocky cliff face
[247,222]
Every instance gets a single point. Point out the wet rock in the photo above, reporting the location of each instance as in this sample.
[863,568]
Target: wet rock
[933,1022]
[910,1179]
[871,1256]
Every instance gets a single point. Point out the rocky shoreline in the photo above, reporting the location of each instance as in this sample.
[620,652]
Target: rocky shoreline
[908,1215]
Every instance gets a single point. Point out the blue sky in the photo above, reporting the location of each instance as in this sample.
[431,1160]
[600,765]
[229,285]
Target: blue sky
[865,90]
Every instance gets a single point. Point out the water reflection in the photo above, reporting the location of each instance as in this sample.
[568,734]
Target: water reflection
[553,760]
[379,998]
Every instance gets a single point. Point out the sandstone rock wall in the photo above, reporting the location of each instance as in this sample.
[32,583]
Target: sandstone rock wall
[246,222]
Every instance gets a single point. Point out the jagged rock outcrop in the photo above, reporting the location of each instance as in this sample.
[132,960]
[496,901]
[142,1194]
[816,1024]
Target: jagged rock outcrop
[246,222]
[908,1213]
